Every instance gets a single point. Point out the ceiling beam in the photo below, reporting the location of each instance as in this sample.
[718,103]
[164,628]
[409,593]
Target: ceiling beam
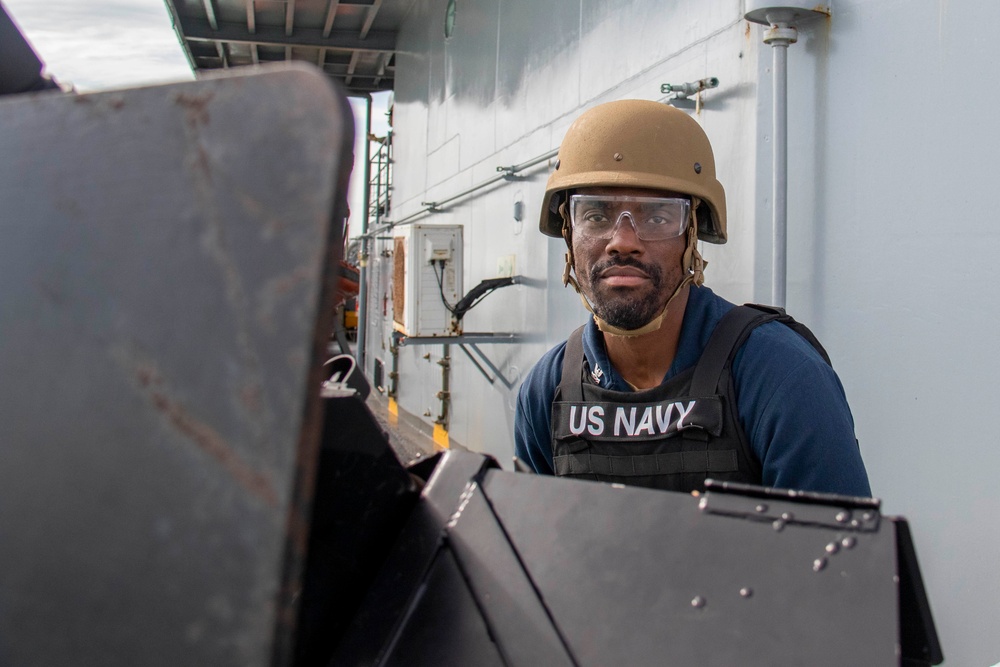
[197,30]
[351,67]
[380,67]
[210,13]
[289,17]
[251,17]
[370,18]
[331,15]
[222,55]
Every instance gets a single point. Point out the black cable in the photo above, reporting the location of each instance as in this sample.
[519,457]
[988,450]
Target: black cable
[474,296]
[440,279]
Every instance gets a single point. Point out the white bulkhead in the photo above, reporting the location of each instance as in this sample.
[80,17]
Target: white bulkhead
[893,240]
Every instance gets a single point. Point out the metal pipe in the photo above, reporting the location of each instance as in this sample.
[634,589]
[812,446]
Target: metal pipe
[445,394]
[781,20]
[779,264]
[434,206]
[364,241]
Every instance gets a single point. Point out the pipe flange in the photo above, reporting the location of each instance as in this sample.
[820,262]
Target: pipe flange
[781,35]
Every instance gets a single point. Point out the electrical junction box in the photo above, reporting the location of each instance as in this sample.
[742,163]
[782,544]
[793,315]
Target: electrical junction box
[433,276]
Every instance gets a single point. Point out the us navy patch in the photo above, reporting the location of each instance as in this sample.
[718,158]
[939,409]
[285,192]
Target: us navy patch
[623,422]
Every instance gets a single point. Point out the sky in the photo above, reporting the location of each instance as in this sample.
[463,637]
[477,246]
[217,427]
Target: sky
[99,45]
[102,44]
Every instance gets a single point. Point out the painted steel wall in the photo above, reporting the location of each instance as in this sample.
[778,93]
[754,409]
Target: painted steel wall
[892,242]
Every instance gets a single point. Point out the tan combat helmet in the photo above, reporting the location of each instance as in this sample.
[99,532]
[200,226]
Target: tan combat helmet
[643,144]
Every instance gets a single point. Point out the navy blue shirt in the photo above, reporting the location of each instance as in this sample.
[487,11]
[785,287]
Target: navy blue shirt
[791,404]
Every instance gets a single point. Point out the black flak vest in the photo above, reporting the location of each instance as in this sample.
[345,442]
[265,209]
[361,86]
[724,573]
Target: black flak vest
[674,436]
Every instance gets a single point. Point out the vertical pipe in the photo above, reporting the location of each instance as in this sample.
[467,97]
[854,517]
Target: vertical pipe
[363,249]
[445,394]
[780,225]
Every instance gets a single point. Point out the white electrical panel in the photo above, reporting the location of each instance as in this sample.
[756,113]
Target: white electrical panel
[433,277]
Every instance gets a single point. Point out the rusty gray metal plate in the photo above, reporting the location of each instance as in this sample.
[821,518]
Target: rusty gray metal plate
[165,291]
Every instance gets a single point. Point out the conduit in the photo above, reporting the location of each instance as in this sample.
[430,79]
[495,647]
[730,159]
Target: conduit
[505,173]
[781,22]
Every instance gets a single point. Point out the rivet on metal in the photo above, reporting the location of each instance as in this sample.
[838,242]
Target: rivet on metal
[697,167]
[618,157]
[787,516]
[848,542]
[842,517]
[819,564]
[746,592]
[832,548]
[703,503]
[557,165]
[778,525]
[698,602]
[760,509]
[867,516]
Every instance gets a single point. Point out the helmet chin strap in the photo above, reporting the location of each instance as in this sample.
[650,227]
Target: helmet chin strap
[692,263]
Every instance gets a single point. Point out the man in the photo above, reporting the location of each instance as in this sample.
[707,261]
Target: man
[669,384]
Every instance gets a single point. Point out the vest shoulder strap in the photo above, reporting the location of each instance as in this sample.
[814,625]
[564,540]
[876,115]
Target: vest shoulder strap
[570,384]
[795,326]
[730,334]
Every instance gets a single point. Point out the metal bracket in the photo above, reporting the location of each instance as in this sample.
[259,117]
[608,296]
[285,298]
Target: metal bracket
[496,371]
[402,340]
[688,95]
[683,90]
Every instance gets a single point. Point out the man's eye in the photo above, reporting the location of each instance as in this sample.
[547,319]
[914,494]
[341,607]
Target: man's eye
[596,218]
[658,220]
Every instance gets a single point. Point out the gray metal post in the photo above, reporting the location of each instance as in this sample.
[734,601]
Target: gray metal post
[363,249]
[779,262]
[781,33]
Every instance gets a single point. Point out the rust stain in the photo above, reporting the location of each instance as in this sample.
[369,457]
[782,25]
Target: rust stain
[196,107]
[207,438]
[251,397]
[287,283]
[746,33]
[204,163]
[117,103]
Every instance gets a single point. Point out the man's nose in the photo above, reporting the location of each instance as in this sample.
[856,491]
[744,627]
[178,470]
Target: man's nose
[624,237]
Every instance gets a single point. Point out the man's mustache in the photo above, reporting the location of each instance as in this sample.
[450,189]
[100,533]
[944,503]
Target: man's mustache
[652,270]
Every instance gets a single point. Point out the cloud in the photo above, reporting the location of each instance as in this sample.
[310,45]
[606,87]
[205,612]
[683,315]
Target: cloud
[103,44]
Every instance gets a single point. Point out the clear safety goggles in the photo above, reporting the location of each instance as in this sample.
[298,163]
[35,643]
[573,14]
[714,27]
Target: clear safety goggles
[652,218]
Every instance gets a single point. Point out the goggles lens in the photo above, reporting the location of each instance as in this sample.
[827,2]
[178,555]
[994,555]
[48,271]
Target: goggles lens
[653,218]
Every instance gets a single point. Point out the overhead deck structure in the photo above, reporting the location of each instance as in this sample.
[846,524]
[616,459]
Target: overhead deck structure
[353,41]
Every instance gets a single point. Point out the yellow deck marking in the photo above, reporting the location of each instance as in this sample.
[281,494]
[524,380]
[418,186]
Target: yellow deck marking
[440,436]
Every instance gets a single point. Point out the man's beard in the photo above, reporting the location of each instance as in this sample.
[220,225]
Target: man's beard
[621,307]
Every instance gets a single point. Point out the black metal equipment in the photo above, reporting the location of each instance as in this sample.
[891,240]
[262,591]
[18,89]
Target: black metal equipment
[167,276]
[498,568]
